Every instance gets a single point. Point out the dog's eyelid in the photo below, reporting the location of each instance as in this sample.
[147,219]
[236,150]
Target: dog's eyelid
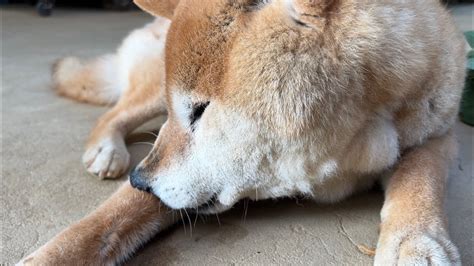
[300,23]
[197,111]
[255,5]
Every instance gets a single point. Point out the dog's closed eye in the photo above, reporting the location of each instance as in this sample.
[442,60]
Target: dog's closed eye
[254,5]
[198,110]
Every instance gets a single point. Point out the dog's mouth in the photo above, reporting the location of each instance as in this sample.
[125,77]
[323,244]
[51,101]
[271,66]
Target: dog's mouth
[211,206]
[207,206]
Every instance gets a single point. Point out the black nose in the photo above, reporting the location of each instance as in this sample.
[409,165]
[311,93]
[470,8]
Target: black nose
[137,181]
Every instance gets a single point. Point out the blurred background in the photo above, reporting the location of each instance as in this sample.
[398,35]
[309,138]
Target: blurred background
[45,7]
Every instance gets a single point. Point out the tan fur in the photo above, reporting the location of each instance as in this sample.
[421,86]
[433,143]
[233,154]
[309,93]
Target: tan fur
[413,207]
[143,101]
[315,98]
[158,8]
[84,82]
[109,234]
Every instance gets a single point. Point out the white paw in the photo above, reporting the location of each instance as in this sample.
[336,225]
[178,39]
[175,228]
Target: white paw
[416,248]
[107,158]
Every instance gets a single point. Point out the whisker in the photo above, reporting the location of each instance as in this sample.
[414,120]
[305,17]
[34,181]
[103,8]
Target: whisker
[151,133]
[190,224]
[184,224]
[196,217]
[217,215]
[218,220]
[143,143]
[246,207]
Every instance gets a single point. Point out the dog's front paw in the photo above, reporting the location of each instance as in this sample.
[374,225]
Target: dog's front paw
[416,248]
[107,158]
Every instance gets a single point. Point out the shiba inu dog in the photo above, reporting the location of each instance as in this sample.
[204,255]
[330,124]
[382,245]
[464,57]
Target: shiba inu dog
[269,99]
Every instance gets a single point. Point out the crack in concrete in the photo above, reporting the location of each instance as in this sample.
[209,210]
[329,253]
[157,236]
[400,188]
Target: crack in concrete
[360,247]
[343,231]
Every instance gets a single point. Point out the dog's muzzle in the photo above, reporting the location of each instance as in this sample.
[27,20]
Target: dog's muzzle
[137,181]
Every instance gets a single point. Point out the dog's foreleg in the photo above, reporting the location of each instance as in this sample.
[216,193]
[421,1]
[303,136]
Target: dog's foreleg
[106,154]
[110,234]
[413,229]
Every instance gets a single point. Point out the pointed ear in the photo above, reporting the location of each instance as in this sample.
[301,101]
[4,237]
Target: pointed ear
[162,8]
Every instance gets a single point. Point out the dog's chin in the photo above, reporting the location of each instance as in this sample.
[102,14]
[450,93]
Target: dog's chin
[212,206]
[215,207]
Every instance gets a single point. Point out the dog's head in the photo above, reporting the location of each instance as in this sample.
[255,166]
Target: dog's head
[243,83]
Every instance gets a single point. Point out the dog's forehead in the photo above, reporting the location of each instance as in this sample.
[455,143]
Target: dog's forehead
[198,44]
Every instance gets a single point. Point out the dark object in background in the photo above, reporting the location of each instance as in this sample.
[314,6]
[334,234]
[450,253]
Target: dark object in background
[45,7]
[118,4]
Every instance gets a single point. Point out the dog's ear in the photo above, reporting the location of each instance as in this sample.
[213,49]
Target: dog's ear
[162,8]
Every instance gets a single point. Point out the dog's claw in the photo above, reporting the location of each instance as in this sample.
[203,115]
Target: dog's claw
[106,159]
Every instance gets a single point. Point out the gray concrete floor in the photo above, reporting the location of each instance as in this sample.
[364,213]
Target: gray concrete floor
[45,188]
